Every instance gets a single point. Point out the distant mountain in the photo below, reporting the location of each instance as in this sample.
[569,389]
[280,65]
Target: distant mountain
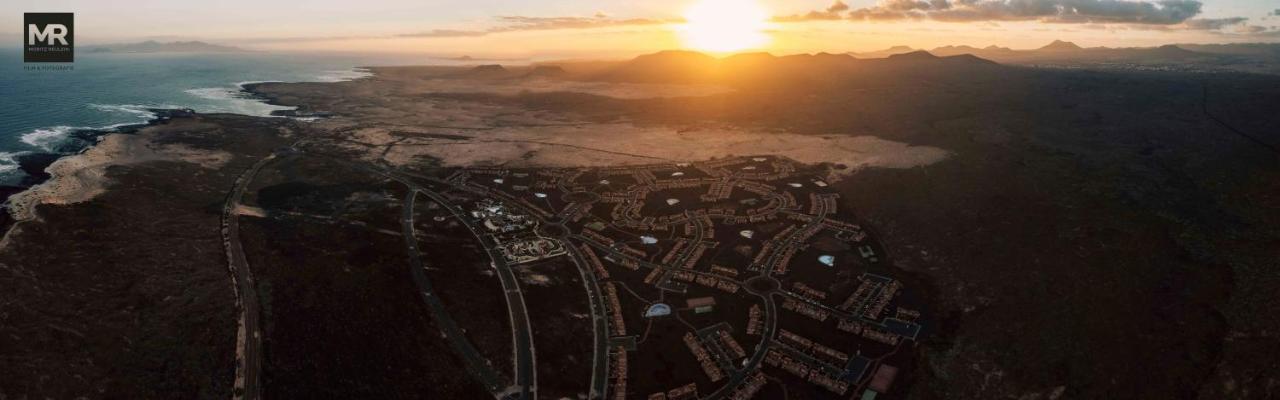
[671,58]
[1238,49]
[666,66]
[764,68]
[152,46]
[489,68]
[950,50]
[488,71]
[914,56]
[884,53]
[923,58]
[1170,51]
[479,59]
[984,52]
[1067,53]
[968,59]
[547,71]
[750,58]
[1059,45]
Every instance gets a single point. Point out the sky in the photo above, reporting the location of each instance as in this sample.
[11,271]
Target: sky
[608,28]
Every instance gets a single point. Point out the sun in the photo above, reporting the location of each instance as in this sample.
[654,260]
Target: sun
[725,25]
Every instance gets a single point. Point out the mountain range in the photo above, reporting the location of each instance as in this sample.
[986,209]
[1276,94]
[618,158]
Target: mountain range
[1218,56]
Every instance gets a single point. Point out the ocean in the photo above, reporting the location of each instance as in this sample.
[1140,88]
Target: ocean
[45,114]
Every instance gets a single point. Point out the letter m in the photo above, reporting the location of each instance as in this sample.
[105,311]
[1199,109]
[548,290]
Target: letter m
[50,33]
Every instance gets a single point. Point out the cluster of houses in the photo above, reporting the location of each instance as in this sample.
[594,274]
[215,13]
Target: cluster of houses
[618,376]
[684,392]
[709,365]
[749,388]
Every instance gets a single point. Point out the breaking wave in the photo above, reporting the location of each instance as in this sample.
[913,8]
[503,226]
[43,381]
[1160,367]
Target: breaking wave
[51,139]
[47,138]
[234,100]
[9,165]
[344,75]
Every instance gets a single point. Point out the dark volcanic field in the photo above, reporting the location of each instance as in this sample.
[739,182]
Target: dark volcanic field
[561,320]
[460,272]
[1093,234]
[127,295]
[341,320]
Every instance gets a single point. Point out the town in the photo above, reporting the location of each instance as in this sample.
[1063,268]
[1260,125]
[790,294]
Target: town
[735,278]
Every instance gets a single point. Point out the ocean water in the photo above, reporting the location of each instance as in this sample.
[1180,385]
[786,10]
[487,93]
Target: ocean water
[41,109]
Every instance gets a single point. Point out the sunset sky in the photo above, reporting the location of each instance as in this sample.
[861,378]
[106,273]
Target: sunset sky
[581,28]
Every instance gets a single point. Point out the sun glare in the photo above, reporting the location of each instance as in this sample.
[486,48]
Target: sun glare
[725,25]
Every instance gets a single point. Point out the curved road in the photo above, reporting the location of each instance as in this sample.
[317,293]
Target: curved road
[526,387]
[525,374]
[600,326]
[248,333]
[476,364]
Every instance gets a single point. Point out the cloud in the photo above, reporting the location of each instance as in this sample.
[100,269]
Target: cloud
[445,33]
[1251,29]
[1161,12]
[1236,26]
[519,23]
[834,12]
[516,23]
[1134,14]
[1212,23]
[299,39]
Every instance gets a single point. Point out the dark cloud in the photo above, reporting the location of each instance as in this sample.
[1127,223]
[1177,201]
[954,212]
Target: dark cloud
[1140,14]
[1212,23]
[1162,12]
[515,23]
[1215,25]
[1251,29]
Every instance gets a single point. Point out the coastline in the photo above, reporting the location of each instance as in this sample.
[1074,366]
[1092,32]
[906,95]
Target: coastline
[46,171]
[300,111]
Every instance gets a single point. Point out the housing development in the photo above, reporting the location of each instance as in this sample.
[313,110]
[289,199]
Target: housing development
[735,278]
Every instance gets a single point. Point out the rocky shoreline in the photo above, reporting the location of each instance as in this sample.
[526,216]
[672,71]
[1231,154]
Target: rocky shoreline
[18,200]
[39,167]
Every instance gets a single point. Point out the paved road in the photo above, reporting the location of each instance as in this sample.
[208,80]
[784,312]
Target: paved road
[599,383]
[770,315]
[600,327]
[523,333]
[249,332]
[475,363]
[766,337]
